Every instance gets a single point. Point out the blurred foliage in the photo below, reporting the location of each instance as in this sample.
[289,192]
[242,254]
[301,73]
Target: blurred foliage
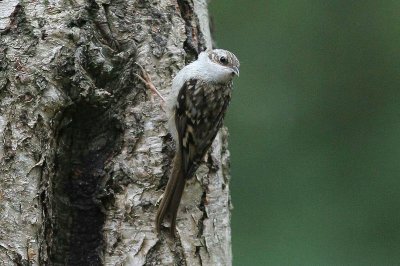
[314,130]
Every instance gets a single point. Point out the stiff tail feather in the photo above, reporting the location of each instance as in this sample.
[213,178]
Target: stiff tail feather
[172,196]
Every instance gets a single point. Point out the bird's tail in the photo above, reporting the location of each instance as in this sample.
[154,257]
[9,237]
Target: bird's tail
[172,196]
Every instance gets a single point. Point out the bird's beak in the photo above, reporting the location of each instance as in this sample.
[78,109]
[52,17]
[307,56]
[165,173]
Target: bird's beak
[236,71]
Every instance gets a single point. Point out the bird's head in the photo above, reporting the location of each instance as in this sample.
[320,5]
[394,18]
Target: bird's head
[224,64]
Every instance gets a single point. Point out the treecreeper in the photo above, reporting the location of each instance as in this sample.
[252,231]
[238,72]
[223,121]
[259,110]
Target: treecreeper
[196,108]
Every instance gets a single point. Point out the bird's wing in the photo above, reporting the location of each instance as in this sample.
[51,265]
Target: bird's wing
[199,115]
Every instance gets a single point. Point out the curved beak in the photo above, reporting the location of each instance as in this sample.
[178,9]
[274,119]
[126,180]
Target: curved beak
[235,70]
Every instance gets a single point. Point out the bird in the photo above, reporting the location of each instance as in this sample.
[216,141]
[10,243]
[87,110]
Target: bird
[195,107]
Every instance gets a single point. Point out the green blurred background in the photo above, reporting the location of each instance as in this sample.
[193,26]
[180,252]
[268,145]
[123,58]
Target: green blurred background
[314,130]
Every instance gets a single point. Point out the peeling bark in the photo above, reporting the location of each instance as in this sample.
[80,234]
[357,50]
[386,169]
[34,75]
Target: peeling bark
[84,150]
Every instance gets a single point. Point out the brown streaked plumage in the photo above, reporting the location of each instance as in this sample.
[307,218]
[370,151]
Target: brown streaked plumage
[201,93]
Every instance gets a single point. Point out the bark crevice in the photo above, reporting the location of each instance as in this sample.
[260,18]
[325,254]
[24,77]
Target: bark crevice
[194,42]
[88,138]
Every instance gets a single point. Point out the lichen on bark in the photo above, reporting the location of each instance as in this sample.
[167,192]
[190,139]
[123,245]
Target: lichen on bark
[84,151]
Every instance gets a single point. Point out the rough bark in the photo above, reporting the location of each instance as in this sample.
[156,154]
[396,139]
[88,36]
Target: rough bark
[84,149]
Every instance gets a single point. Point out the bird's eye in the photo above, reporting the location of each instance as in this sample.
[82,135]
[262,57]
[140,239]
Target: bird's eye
[223,60]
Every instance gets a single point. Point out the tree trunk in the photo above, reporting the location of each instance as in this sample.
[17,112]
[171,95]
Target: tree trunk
[84,150]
